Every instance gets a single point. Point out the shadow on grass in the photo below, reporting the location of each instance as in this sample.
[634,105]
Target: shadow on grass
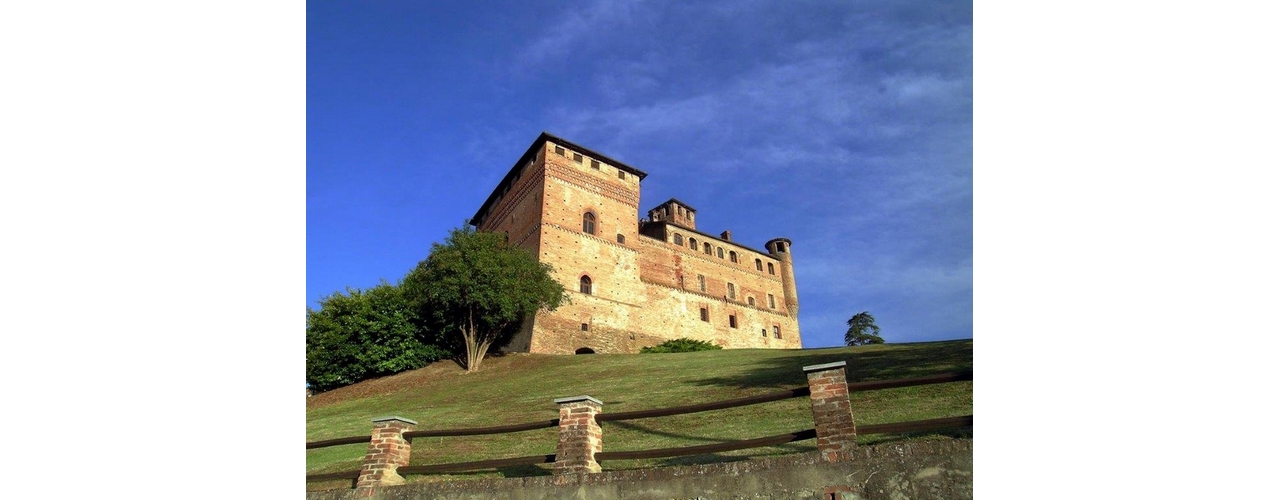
[653,432]
[864,363]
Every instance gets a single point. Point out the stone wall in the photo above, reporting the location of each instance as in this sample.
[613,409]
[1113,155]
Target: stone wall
[920,470]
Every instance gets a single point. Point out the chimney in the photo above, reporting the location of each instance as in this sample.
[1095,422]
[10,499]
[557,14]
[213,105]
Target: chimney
[726,236]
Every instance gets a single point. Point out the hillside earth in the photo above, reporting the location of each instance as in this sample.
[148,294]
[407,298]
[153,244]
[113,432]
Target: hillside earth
[519,388]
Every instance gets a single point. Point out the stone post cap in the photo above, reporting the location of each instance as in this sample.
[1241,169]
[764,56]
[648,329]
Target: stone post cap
[394,419]
[828,366]
[574,399]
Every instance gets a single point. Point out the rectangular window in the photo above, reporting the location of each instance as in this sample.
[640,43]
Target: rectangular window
[622,175]
[770,268]
[705,317]
[771,306]
[702,283]
[733,321]
[763,333]
[559,150]
[577,157]
[585,327]
[777,334]
[732,292]
[595,164]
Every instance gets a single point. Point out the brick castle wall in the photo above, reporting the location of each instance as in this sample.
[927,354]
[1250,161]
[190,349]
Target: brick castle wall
[644,287]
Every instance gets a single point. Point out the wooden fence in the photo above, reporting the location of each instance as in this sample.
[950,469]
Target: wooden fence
[827,390]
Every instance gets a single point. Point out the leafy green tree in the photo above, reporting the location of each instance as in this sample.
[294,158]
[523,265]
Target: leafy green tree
[680,345]
[862,330]
[481,287]
[364,334]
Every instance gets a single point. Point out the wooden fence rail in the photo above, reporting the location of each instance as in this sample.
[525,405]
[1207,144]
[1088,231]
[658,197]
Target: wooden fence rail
[840,431]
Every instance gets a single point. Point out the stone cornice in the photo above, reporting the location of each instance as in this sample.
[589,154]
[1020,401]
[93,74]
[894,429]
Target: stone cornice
[586,182]
[591,236]
[713,297]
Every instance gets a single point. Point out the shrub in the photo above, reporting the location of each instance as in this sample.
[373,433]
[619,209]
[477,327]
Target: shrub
[681,345]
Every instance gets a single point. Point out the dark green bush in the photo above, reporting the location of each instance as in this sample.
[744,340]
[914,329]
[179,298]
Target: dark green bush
[681,345]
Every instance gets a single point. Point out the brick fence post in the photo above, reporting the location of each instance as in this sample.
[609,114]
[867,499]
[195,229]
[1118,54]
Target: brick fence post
[580,435]
[832,413]
[388,451]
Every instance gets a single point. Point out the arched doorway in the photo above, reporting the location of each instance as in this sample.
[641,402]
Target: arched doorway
[584,350]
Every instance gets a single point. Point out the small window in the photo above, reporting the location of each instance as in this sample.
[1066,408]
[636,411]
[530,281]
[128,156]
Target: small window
[705,317]
[759,265]
[559,150]
[781,247]
[720,252]
[680,210]
[622,239]
[706,248]
[595,164]
[764,333]
[770,268]
[584,350]
[679,239]
[584,285]
[732,293]
[693,243]
[622,175]
[733,256]
[777,334]
[751,301]
[585,327]
[733,321]
[771,302]
[577,157]
[702,283]
[589,223]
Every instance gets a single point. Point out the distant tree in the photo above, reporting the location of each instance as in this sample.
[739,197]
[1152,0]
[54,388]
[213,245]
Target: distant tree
[477,285]
[364,334]
[680,345]
[862,330]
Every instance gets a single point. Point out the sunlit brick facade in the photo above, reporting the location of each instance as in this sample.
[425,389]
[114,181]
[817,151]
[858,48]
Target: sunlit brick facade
[634,282]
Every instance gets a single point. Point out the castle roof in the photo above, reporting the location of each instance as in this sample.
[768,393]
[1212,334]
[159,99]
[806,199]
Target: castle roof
[533,149]
[686,205]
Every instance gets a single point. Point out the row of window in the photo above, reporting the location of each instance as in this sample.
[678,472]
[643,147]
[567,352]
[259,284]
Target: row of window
[706,248]
[732,291]
[733,323]
[577,157]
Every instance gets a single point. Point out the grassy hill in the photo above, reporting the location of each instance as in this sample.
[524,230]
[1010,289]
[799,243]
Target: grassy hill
[518,388]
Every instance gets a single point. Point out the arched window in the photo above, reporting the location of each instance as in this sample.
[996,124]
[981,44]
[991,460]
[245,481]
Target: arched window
[759,265]
[589,223]
[733,256]
[720,252]
[751,301]
[693,243]
[584,285]
[732,292]
[706,248]
[770,268]
[679,239]
[584,350]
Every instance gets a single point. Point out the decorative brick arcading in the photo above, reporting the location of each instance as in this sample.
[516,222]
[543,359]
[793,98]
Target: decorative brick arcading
[580,436]
[832,413]
[388,451]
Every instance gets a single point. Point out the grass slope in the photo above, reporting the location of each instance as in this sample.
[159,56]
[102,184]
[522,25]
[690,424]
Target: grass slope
[518,388]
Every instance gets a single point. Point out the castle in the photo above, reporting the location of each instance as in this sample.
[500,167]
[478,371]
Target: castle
[634,284]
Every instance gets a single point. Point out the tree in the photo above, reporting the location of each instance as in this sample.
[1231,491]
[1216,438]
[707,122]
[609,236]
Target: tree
[364,334]
[482,288]
[862,330]
[681,345]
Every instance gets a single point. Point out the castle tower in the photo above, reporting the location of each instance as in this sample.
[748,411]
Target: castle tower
[781,248]
[675,212]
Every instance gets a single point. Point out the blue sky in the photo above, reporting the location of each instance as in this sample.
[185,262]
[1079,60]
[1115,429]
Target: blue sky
[846,127]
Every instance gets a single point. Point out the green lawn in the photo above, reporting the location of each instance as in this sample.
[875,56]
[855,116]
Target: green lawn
[519,388]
